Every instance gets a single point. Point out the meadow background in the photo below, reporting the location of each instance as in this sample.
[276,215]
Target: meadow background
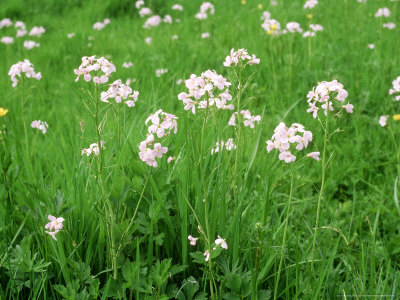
[358,244]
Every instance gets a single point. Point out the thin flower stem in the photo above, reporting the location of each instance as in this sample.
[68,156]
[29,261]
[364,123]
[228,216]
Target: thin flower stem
[236,173]
[321,191]
[284,234]
[23,115]
[106,204]
[204,185]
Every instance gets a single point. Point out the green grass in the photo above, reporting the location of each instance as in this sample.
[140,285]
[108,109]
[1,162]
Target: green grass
[357,247]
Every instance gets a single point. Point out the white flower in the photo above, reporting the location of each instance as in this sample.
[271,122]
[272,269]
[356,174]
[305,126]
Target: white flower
[119,91]
[37,31]
[383,120]
[30,44]
[101,68]
[389,25]
[177,7]
[222,242]
[40,125]
[310,3]
[23,67]
[382,12]
[93,149]
[152,21]
[7,40]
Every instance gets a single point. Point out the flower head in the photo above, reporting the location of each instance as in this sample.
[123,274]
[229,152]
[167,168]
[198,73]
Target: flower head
[20,68]
[207,90]
[323,95]
[40,125]
[285,137]
[222,242]
[162,124]
[98,69]
[93,149]
[240,55]
[3,112]
[192,240]
[54,226]
[120,92]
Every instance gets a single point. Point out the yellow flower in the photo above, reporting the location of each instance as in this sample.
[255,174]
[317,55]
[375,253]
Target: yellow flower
[260,6]
[270,32]
[309,16]
[273,26]
[396,117]
[3,112]
[243,2]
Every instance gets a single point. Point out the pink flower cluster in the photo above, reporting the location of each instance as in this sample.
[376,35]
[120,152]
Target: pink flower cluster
[383,120]
[91,64]
[206,85]
[177,7]
[93,149]
[218,242]
[310,4]
[119,92]
[248,119]
[323,94]
[204,8]
[54,226]
[21,28]
[31,44]
[314,29]
[284,137]
[293,27]
[23,67]
[240,55]
[6,22]
[7,40]
[160,72]
[101,25]
[40,125]
[37,31]
[271,26]
[220,146]
[382,12]
[162,124]
[153,21]
[396,88]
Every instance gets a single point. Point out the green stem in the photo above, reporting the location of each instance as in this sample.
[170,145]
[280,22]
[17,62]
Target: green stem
[236,173]
[323,167]
[22,114]
[284,235]
[106,204]
[204,185]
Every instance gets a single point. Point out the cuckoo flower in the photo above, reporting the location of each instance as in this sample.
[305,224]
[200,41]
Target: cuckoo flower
[54,226]
[249,120]
[208,89]
[395,90]
[23,67]
[162,124]
[240,55]
[120,92]
[323,97]
[284,138]
[98,69]
[40,125]
[93,149]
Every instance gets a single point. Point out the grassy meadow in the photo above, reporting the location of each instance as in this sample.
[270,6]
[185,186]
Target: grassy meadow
[307,229]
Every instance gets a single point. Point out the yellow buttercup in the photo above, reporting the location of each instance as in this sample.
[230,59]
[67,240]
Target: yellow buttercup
[396,117]
[3,112]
